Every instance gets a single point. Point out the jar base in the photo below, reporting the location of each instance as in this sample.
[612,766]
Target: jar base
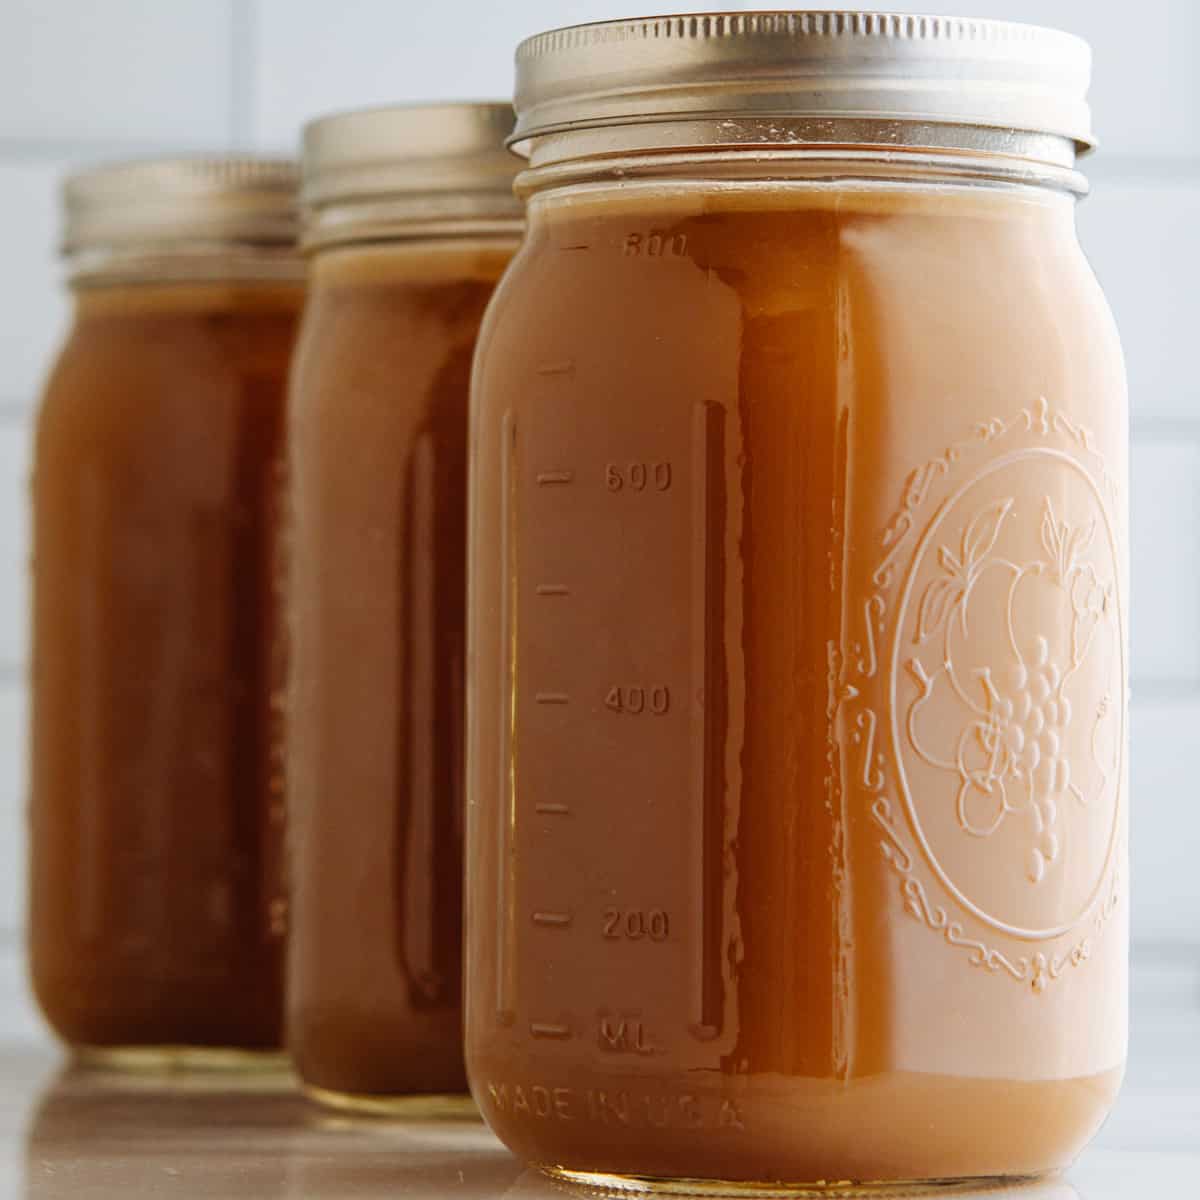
[418,1106]
[834,1189]
[149,1060]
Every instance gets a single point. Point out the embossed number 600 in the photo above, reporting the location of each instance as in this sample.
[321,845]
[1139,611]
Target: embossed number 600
[638,476]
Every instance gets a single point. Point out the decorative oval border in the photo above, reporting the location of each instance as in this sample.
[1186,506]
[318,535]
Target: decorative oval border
[991,468]
[849,670]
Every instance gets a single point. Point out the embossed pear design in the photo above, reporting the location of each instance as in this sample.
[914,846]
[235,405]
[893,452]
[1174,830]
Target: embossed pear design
[1009,746]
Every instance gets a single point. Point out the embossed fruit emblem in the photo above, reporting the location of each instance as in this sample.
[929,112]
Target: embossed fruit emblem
[1010,640]
[997,784]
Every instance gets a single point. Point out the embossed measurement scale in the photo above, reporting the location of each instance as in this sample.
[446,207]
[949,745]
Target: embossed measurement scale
[611,843]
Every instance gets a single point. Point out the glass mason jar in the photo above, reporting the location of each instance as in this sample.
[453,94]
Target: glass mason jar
[157,913]
[410,219]
[796,763]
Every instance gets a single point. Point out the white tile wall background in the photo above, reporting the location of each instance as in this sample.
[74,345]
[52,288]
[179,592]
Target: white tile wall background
[81,81]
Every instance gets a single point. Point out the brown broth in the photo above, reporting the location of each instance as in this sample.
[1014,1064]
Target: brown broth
[157,913]
[718,438]
[379,444]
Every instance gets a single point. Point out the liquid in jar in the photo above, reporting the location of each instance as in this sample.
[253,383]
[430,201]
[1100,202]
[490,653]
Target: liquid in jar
[158,907]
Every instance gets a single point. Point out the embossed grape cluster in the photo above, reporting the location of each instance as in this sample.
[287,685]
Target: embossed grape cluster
[1034,716]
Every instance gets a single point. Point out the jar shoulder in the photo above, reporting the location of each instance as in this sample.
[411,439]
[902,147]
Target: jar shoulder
[118,381]
[1012,300]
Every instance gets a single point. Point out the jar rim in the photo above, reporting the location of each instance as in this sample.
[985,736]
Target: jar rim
[725,171]
[185,262]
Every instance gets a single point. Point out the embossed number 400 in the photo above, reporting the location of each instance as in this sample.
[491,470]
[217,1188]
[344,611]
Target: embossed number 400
[635,924]
[637,700]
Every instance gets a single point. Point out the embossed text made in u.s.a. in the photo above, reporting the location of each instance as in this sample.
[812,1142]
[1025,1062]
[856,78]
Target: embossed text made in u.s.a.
[616,1106]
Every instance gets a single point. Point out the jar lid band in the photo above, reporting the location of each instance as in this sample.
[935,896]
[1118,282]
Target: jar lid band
[181,204]
[749,68]
[379,173]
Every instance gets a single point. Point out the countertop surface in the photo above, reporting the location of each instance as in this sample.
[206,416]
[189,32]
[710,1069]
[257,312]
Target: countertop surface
[68,1133]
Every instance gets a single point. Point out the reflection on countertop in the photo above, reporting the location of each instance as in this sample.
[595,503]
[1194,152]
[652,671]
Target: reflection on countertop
[103,1134]
[93,1135]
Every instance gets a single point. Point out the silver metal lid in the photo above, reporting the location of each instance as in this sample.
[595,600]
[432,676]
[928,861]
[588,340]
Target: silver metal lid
[411,170]
[752,68]
[179,204]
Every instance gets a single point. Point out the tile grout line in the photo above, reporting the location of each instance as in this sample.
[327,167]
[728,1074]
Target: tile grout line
[243,62]
[1139,168]
[1157,432]
[1164,429]
[17,152]
[1164,691]
[1168,952]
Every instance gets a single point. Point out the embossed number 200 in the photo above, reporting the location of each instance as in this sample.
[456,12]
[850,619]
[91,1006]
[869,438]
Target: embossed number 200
[636,923]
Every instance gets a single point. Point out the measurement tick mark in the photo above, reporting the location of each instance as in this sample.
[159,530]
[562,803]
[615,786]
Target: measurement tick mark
[545,478]
[566,367]
[553,809]
[559,919]
[553,589]
[551,698]
[577,246]
[549,1029]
